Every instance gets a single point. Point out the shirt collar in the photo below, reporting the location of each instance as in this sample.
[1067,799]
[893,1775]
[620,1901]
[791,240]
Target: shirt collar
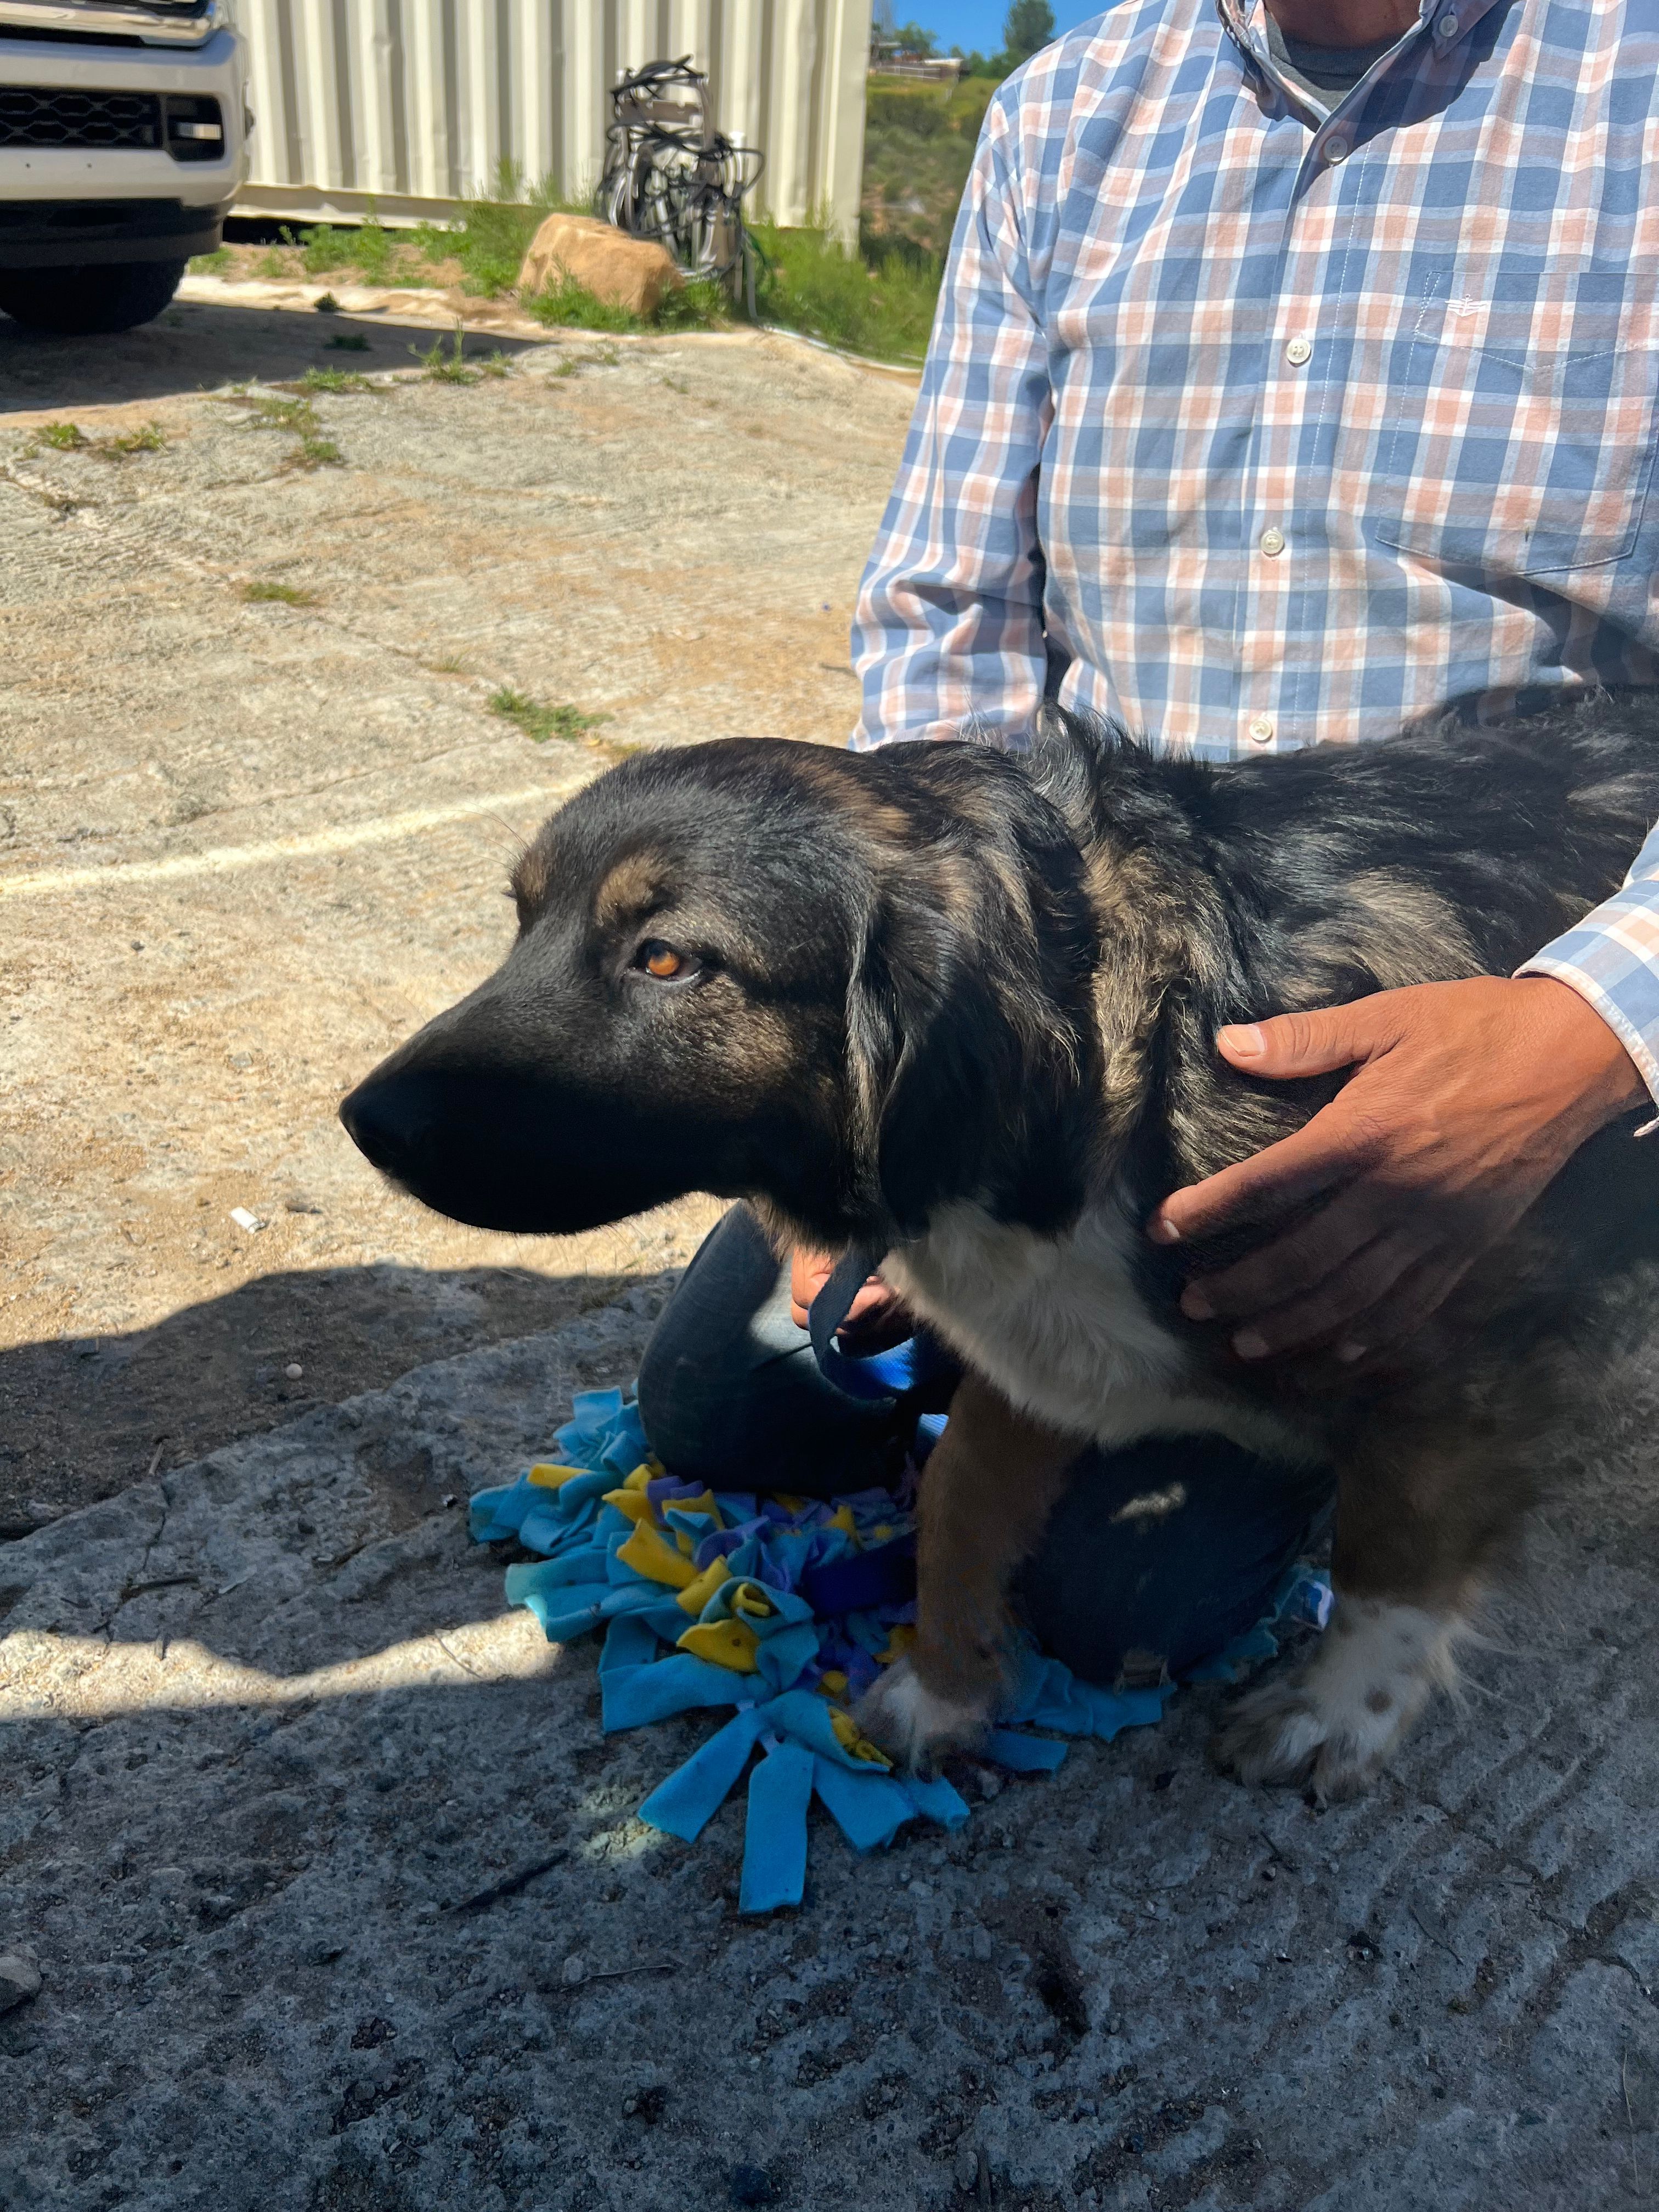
[1447,22]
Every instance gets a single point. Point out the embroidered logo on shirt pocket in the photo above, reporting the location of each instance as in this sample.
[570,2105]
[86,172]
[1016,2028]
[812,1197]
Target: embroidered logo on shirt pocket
[1523,442]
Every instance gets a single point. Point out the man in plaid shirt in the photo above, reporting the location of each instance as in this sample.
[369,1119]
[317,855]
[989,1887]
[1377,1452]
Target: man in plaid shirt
[1295,370]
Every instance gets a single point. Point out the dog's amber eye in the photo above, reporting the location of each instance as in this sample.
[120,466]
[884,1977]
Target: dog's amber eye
[661,960]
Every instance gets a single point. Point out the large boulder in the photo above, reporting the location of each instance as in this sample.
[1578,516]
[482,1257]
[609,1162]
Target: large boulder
[624,272]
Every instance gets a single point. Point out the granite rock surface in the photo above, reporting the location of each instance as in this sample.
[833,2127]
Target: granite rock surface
[339,1901]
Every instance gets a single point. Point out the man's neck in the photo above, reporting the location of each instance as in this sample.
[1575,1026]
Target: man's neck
[1344,22]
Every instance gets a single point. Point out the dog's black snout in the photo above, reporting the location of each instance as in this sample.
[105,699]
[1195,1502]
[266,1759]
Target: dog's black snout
[385,1121]
[505,1149]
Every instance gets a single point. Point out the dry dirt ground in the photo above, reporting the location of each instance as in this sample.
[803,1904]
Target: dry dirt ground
[245,846]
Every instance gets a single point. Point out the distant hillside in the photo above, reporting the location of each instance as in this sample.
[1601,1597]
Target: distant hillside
[918,147]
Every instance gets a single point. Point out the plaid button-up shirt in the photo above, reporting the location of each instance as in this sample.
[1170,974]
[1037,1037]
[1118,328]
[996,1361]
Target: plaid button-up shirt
[1252,425]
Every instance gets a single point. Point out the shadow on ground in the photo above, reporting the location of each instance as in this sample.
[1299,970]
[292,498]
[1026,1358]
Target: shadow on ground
[83,1418]
[196,347]
[339,1899]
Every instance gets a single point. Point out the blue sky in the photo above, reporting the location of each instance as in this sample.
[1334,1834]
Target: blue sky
[976,25]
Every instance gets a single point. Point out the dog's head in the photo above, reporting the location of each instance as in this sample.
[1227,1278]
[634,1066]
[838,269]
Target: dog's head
[850,987]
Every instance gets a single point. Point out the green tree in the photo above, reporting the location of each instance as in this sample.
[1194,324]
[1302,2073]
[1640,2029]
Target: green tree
[1029,25]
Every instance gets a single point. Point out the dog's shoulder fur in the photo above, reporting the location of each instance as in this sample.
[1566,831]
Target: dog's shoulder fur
[1220,893]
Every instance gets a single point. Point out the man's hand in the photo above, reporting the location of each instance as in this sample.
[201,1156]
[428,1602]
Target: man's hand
[875,1319]
[1467,1099]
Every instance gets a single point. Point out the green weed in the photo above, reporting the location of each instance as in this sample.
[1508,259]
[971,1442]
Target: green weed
[327,305]
[698,304]
[541,722]
[259,592]
[63,437]
[570,306]
[271,413]
[334,380]
[211,265]
[879,300]
[369,247]
[299,418]
[451,368]
[150,439]
[493,235]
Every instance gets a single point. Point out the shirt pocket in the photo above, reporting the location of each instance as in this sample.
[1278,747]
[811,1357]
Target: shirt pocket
[1521,434]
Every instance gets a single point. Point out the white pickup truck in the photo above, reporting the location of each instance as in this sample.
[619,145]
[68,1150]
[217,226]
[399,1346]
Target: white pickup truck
[123,128]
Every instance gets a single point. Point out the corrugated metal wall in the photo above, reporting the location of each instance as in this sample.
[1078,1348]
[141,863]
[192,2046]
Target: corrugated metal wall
[417,103]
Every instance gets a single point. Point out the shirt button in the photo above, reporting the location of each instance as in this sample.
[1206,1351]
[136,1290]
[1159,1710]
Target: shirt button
[1336,150]
[1297,351]
[1447,27]
[1272,542]
[1261,730]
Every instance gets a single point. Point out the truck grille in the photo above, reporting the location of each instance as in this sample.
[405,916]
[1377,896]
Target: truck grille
[53,115]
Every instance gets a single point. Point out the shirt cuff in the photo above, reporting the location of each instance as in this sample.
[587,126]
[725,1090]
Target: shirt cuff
[1611,959]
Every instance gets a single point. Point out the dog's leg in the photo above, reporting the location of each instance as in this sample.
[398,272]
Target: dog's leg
[1429,1495]
[985,1495]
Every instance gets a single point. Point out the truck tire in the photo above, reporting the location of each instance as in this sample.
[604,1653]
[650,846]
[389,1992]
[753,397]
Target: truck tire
[90,298]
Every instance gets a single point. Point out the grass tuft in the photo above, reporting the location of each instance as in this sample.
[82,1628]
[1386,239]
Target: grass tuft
[368,247]
[216,264]
[878,301]
[698,304]
[334,380]
[150,439]
[451,368]
[541,722]
[298,417]
[494,233]
[260,592]
[63,437]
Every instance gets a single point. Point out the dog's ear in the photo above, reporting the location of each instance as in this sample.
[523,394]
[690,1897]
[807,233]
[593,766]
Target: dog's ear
[968,1073]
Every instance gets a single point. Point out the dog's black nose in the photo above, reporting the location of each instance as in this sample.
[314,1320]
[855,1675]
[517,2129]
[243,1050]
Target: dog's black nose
[385,1121]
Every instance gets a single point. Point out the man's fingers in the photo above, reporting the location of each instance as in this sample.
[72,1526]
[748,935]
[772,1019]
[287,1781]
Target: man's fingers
[876,1297]
[1343,1306]
[1315,1043]
[1297,1168]
[1293,1263]
[1368,1346]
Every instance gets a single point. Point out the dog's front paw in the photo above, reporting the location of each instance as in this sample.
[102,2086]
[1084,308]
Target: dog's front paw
[913,1725]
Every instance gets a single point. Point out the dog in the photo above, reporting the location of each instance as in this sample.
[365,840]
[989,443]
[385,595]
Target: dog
[959,1005]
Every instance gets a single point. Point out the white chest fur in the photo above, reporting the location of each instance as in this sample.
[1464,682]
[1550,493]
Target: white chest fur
[1057,1323]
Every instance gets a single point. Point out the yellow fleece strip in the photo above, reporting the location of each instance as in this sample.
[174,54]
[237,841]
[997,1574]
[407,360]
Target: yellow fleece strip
[697,1595]
[659,1561]
[727,1643]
